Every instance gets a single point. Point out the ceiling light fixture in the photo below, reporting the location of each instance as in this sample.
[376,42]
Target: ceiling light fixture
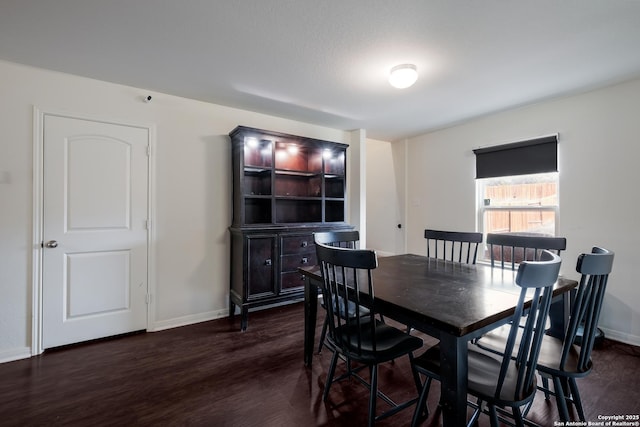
[403,75]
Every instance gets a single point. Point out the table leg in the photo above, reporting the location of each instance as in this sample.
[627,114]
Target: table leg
[559,315]
[310,314]
[453,395]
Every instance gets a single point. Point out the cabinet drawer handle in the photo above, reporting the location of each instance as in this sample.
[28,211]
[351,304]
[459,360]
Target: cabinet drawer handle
[305,260]
[304,244]
[267,262]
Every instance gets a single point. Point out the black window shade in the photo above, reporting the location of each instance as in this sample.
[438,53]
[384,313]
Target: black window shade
[519,158]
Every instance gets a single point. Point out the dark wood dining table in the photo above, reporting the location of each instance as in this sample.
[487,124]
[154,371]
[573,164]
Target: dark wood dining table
[452,302]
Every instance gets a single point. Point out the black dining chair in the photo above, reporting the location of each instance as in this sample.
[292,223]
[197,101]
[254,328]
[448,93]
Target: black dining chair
[569,357]
[513,248]
[458,246]
[343,239]
[561,359]
[361,338]
[499,381]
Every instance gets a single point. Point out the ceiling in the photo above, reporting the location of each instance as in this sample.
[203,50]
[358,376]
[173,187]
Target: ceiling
[327,62]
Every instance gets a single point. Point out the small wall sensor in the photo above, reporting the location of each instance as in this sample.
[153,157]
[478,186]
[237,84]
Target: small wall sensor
[147,98]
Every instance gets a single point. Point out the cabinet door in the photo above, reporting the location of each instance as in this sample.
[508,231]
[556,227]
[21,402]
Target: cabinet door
[261,260]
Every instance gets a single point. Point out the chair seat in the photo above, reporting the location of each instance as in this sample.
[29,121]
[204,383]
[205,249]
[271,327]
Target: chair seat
[390,342]
[550,352]
[484,368]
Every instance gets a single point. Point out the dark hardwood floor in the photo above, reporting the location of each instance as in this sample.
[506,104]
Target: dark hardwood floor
[210,374]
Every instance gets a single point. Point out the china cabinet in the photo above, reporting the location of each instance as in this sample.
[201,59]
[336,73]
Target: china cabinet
[285,188]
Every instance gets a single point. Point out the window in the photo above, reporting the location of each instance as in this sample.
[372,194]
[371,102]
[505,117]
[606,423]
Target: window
[519,204]
[517,187]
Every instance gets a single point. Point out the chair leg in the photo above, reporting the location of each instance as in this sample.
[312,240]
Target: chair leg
[373,394]
[422,411]
[323,334]
[473,421]
[576,398]
[332,369]
[517,415]
[493,415]
[561,400]
[545,387]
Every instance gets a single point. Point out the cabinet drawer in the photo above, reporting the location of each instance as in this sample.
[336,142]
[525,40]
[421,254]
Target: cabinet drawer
[291,281]
[297,244]
[292,262]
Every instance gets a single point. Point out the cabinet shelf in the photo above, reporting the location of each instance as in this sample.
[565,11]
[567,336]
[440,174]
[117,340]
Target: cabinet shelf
[305,174]
[299,198]
[250,170]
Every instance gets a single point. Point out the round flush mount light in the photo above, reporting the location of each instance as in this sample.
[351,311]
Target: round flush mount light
[403,75]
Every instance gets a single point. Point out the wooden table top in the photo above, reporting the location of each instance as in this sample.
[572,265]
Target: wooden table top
[437,295]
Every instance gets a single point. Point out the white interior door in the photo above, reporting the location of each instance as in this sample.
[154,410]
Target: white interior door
[95,202]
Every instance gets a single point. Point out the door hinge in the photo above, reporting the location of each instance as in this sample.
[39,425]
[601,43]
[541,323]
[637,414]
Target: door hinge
[147,224]
[148,151]
[147,299]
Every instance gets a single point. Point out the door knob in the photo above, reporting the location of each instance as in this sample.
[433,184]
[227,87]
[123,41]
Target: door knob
[51,244]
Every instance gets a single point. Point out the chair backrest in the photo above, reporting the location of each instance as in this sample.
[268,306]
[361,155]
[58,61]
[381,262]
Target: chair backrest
[342,239]
[585,312]
[538,276]
[514,248]
[463,246]
[345,274]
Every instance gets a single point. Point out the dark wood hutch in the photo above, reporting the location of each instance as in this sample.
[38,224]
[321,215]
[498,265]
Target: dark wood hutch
[285,188]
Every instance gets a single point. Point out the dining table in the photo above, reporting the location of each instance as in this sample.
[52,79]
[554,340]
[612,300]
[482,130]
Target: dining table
[453,302]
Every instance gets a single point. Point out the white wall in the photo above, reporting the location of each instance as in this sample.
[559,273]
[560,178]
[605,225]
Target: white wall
[383,199]
[192,191]
[599,148]
[356,182]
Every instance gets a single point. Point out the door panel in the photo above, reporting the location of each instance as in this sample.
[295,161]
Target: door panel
[98,166]
[95,210]
[88,294]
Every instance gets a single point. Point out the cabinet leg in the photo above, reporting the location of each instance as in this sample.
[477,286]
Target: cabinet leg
[232,309]
[244,319]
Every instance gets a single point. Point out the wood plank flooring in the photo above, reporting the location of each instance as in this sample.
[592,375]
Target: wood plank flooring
[210,374]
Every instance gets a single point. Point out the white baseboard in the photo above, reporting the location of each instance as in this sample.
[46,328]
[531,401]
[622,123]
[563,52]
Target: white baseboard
[187,320]
[15,354]
[621,336]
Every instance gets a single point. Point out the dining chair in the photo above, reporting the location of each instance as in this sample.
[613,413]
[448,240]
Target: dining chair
[499,381]
[561,359]
[361,338]
[343,239]
[514,248]
[566,358]
[458,246]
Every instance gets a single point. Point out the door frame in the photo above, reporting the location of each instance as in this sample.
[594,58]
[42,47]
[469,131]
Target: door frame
[38,216]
